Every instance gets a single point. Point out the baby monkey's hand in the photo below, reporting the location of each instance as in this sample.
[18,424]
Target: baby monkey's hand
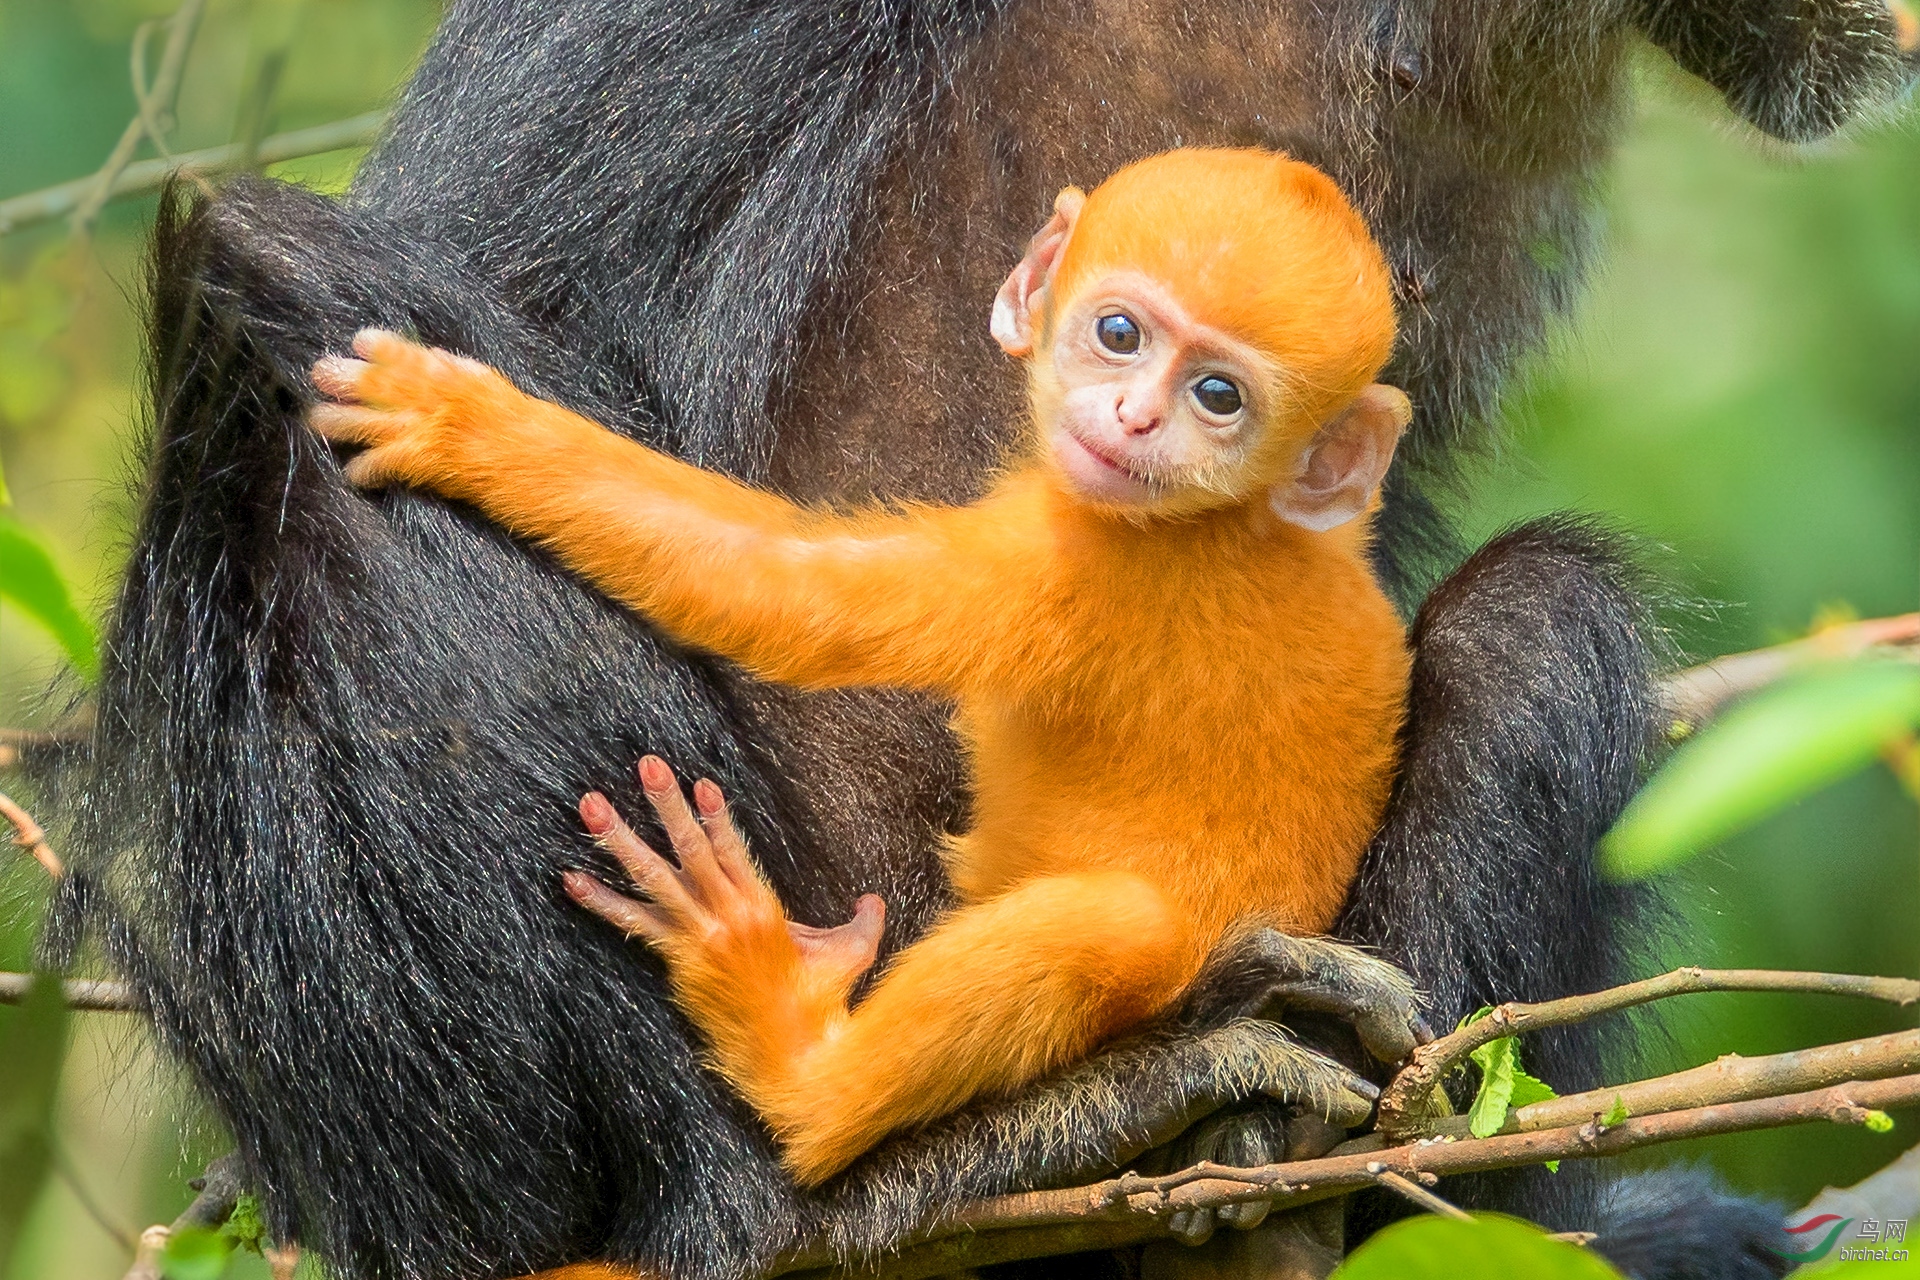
[426,417]
[714,918]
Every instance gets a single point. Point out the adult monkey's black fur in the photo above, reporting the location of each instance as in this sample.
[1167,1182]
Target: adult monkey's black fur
[339,741]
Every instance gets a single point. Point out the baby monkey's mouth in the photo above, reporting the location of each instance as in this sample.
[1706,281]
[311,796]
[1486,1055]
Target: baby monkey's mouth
[1105,455]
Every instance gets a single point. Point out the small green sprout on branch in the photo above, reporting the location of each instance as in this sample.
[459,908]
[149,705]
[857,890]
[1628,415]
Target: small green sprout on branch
[1504,1085]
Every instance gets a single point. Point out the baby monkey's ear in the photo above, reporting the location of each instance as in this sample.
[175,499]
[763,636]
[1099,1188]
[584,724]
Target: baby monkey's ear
[1017,308]
[1346,461]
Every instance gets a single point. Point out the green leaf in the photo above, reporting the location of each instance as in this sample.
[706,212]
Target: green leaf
[1488,1248]
[33,1041]
[29,581]
[1528,1089]
[1497,1065]
[195,1253]
[1616,1114]
[1504,1086]
[1780,745]
[1878,1122]
[245,1227]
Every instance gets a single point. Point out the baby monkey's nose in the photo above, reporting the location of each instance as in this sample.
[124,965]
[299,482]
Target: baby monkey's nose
[1137,419]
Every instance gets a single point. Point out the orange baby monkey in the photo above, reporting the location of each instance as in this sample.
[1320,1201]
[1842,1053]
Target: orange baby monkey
[1178,684]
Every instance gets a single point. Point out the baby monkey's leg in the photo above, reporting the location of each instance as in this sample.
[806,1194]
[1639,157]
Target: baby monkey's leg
[998,994]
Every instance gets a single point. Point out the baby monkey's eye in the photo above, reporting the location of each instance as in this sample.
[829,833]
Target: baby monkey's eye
[1118,333]
[1217,396]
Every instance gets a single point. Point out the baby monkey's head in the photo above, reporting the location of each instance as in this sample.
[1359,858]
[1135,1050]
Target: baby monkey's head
[1205,328]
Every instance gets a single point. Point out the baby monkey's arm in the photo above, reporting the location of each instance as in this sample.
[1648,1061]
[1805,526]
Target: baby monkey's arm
[798,596]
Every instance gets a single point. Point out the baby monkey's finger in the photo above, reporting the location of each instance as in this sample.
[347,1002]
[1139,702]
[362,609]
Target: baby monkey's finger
[339,376]
[690,843]
[374,468]
[633,918]
[385,346]
[652,874]
[352,423]
[729,848]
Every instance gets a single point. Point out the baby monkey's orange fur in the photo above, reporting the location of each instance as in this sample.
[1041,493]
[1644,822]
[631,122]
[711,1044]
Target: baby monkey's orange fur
[1178,684]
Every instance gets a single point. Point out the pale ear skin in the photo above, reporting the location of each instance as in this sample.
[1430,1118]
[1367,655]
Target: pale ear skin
[1346,461]
[1016,308]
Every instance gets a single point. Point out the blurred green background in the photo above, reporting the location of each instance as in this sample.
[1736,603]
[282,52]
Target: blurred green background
[1742,385]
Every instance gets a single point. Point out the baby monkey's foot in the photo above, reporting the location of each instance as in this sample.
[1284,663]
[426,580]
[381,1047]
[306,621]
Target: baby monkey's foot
[418,411]
[713,912]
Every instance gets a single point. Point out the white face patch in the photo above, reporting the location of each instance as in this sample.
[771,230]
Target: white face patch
[1152,408]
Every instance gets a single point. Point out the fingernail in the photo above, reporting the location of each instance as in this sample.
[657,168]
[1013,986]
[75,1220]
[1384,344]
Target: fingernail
[654,774]
[597,812]
[577,884]
[1365,1088]
[707,795]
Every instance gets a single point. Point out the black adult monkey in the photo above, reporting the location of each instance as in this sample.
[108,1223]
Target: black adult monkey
[338,742]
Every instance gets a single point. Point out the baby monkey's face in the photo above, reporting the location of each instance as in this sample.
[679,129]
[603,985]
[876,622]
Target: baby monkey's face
[1143,406]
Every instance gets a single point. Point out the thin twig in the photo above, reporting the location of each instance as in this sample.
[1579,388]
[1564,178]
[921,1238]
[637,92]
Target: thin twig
[150,115]
[1403,1104]
[219,1191]
[1411,1190]
[166,85]
[92,995]
[28,835]
[149,175]
[71,1176]
[1696,695]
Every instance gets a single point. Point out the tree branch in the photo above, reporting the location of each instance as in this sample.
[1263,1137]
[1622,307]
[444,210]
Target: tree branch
[1404,1104]
[27,834]
[88,994]
[1698,694]
[1408,1189]
[1130,1209]
[220,1190]
[18,744]
[98,189]
[1892,1192]
[148,175]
